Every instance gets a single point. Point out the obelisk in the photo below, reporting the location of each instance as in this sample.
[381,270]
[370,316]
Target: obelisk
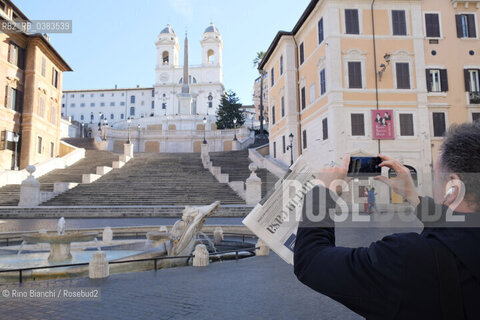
[185,99]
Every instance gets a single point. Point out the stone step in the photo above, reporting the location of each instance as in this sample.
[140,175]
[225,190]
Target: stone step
[152,179]
[115,212]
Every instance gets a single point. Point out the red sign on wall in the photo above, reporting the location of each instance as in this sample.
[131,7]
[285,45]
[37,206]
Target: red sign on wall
[382,124]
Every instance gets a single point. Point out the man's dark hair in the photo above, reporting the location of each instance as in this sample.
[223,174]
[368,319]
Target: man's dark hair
[460,154]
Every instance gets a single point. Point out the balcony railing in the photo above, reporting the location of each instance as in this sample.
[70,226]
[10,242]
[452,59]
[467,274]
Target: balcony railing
[474,97]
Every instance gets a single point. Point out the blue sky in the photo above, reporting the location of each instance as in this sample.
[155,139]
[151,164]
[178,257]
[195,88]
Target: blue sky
[113,40]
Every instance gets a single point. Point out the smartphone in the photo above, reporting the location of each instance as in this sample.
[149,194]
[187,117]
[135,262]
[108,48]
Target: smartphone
[364,167]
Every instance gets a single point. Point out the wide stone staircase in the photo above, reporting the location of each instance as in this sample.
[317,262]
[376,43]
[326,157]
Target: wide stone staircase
[86,143]
[10,194]
[235,164]
[152,179]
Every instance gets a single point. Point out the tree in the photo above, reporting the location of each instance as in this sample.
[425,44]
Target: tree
[228,110]
[258,58]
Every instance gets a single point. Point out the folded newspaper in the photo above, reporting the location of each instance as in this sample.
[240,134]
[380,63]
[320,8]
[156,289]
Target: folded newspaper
[275,218]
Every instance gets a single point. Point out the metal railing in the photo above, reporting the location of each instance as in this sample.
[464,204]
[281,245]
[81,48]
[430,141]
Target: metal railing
[155,262]
[474,97]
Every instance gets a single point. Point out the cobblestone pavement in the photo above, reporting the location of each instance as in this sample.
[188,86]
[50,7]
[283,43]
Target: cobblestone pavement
[253,288]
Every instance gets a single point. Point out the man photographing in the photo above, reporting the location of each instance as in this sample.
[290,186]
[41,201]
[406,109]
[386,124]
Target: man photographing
[432,275]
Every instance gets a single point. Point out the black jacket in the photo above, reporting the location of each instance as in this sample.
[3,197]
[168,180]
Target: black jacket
[393,278]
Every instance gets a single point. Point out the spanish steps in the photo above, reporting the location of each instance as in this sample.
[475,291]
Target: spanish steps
[147,180]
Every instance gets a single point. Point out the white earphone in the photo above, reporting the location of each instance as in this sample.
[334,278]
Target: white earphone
[449,192]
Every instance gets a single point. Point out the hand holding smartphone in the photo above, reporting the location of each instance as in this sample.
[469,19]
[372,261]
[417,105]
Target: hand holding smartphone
[364,167]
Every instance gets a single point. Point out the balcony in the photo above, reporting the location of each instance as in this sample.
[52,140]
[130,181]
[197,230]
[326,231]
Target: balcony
[466,3]
[474,97]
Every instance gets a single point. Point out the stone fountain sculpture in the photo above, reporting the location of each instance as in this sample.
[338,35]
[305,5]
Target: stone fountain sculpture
[59,242]
[180,241]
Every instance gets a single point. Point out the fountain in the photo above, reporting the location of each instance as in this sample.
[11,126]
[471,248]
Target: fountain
[180,241]
[60,241]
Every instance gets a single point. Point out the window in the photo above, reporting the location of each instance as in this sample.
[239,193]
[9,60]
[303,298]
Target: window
[283,106]
[113,94]
[39,145]
[102,104]
[122,116]
[122,103]
[72,105]
[44,66]
[352,25]
[399,23]
[437,80]
[302,53]
[272,76]
[63,105]
[55,77]
[403,75]
[16,55]
[321,36]
[274,149]
[273,115]
[358,124]
[312,94]
[82,96]
[281,65]
[304,136]
[52,149]
[466,26]
[211,56]
[472,85]
[284,145]
[153,93]
[132,99]
[91,95]
[153,104]
[303,98]
[41,107]
[82,117]
[102,95]
[475,116]
[91,116]
[53,114]
[82,105]
[165,57]
[14,99]
[406,124]
[355,75]
[132,111]
[472,81]
[112,116]
[72,96]
[323,82]
[92,104]
[164,105]
[112,104]
[325,128]
[439,125]
[432,25]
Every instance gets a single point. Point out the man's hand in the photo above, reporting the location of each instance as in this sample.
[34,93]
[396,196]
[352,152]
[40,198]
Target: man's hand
[330,174]
[403,183]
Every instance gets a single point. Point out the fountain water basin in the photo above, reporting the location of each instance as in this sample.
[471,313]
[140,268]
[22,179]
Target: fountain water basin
[60,243]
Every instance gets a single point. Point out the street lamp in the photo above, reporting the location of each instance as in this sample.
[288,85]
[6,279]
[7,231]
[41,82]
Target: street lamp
[138,128]
[100,117]
[204,129]
[129,120]
[235,129]
[290,147]
[16,137]
[82,133]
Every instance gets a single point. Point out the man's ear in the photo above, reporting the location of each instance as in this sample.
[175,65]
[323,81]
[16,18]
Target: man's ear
[453,190]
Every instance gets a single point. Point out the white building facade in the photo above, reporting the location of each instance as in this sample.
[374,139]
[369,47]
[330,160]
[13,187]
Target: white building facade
[163,99]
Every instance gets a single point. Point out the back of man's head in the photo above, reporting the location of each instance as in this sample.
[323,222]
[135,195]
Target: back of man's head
[460,154]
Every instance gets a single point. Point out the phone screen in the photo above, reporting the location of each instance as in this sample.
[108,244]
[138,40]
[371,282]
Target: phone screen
[364,167]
